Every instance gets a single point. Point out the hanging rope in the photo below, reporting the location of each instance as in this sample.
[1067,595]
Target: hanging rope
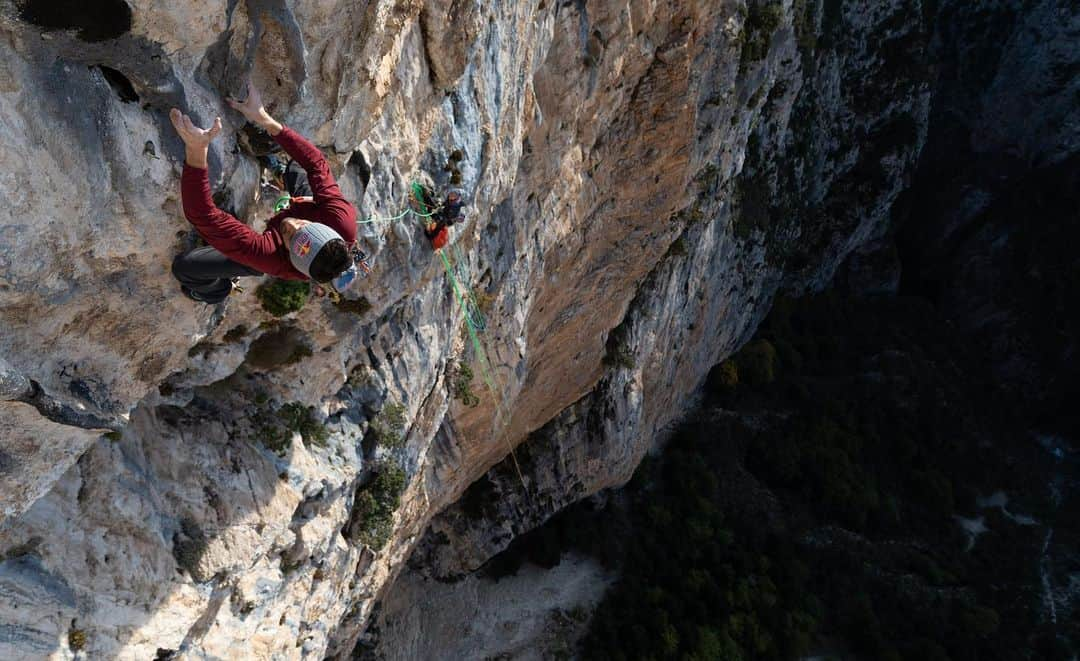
[471,327]
[482,363]
[475,322]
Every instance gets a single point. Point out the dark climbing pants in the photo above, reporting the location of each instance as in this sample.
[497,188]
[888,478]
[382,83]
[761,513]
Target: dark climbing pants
[206,275]
[296,180]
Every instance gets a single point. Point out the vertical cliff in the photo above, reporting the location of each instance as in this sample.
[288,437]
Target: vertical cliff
[642,178]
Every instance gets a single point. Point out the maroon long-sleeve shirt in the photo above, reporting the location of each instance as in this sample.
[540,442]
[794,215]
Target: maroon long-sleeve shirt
[267,252]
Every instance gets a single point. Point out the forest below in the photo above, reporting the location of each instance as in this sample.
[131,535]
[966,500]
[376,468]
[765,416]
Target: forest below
[814,505]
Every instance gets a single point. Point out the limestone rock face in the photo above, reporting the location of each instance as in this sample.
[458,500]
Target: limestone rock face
[642,178]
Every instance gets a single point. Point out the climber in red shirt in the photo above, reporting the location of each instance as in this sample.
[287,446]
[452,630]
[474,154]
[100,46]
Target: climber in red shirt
[309,239]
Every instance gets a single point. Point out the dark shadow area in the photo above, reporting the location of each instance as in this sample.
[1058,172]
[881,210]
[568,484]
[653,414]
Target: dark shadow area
[119,84]
[285,345]
[359,165]
[96,20]
[810,506]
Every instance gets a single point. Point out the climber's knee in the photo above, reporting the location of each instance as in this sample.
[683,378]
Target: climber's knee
[181,267]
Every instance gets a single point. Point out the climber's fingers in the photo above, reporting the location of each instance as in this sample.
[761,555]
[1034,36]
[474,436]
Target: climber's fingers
[177,119]
[190,127]
[215,129]
[182,124]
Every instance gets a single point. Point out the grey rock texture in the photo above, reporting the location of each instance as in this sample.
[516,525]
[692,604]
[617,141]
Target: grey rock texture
[534,614]
[642,178]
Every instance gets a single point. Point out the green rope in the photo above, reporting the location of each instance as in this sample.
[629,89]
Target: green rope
[482,361]
[372,220]
[376,220]
[475,316]
[474,319]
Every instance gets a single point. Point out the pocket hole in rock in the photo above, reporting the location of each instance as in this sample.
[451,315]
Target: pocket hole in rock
[96,20]
[119,83]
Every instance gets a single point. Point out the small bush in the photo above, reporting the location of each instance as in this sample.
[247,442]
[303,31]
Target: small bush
[388,428]
[372,518]
[762,19]
[678,247]
[189,545]
[359,377]
[725,376]
[463,386]
[280,297]
[275,428]
[236,333]
[271,434]
[299,418]
[359,306]
[77,640]
[980,621]
[395,416]
[620,355]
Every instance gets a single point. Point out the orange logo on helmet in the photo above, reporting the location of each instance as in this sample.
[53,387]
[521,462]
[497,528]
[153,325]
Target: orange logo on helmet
[304,248]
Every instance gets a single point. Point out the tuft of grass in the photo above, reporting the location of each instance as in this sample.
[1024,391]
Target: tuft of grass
[288,567]
[113,436]
[280,297]
[483,301]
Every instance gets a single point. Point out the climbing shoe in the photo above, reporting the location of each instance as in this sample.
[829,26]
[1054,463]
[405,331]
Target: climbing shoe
[194,295]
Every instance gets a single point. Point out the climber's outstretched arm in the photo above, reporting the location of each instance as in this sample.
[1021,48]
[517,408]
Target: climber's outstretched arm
[220,229]
[334,210]
[252,109]
[196,140]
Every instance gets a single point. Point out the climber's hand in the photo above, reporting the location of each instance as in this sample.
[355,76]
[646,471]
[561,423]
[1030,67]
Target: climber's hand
[192,135]
[252,109]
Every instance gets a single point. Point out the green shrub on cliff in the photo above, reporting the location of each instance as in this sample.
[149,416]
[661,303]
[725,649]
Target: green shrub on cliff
[372,519]
[280,297]
[762,20]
